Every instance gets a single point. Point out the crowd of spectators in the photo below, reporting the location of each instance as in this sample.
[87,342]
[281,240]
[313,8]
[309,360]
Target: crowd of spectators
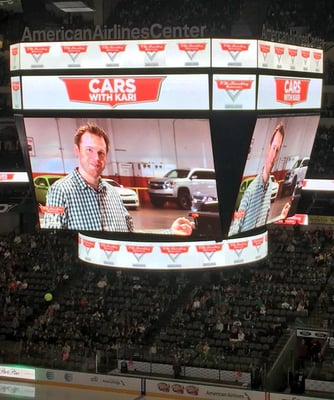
[218,17]
[228,319]
[329,72]
[322,158]
[314,18]
[30,266]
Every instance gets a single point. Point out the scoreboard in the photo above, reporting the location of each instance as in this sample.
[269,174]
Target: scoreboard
[171,103]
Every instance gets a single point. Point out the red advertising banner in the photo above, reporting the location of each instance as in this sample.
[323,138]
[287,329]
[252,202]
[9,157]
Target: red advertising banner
[114,90]
[136,92]
[277,92]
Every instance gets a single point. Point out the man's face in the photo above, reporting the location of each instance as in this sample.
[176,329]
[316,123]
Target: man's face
[273,151]
[92,155]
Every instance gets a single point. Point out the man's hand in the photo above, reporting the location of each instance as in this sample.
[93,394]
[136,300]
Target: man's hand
[182,226]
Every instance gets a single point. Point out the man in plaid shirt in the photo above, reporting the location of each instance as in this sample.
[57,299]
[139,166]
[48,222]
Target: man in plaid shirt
[83,201]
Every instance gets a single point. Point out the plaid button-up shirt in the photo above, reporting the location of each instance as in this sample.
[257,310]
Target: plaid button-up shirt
[73,204]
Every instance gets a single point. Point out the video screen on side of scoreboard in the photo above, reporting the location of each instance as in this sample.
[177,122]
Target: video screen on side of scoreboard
[153,169]
[275,168]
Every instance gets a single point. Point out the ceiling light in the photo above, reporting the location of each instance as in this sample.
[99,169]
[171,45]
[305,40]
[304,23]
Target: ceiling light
[72,6]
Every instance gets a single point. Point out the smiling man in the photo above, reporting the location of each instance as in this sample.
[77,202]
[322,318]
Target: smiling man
[83,201]
[254,206]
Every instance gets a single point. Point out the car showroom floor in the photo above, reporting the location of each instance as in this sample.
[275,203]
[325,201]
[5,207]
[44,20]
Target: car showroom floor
[157,218]
[153,219]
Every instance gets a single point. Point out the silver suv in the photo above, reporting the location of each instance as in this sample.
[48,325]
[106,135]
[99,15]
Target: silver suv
[180,185]
[295,175]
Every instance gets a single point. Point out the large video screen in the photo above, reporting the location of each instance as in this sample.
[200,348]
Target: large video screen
[275,168]
[142,178]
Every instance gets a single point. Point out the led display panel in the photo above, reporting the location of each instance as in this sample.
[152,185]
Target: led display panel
[188,127]
[152,165]
[275,168]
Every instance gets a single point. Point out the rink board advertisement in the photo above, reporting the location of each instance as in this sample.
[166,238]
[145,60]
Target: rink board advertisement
[141,386]
[17,372]
[108,382]
[193,390]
